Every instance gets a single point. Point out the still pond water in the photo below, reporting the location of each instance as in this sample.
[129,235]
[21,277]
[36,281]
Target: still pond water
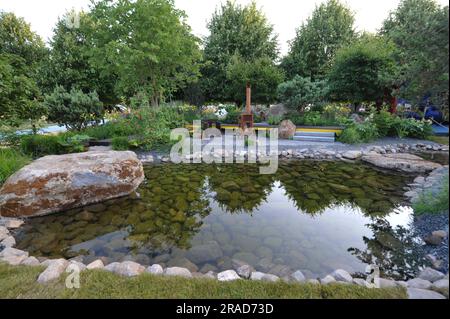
[313,216]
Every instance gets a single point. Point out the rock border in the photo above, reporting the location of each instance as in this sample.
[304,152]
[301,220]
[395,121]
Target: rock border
[430,284]
[308,153]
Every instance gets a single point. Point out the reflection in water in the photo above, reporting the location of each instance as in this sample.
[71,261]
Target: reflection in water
[306,216]
[393,249]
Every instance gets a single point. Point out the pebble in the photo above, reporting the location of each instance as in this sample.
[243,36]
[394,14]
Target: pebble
[416,293]
[298,276]
[155,269]
[96,264]
[178,271]
[430,274]
[53,271]
[342,275]
[327,280]
[228,275]
[419,283]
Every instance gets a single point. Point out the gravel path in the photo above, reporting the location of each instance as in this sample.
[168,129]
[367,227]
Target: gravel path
[426,224]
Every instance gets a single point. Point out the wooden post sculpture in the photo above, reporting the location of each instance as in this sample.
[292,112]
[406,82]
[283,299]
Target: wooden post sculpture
[247,116]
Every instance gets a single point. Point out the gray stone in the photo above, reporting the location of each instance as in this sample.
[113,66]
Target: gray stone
[204,253]
[245,271]
[13,260]
[352,155]
[440,233]
[270,278]
[441,286]
[178,271]
[342,275]
[228,275]
[327,280]
[96,264]
[111,267]
[313,281]
[256,275]
[403,162]
[13,223]
[210,275]
[416,293]
[75,263]
[155,269]
[53,271]
[298,276]
[431,275]
[433,240]
[385,283]
[361,282]
[183,262]
[3,233]
[419,283]
[30,261]
[8,242]
[57,182]
[9,251]
[129,269]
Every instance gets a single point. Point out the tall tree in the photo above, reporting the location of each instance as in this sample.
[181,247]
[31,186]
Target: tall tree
[328,29]
[261,75]
[20,52]
[69,64]
[146,43]
[420,29]
[363,71]
[235,31]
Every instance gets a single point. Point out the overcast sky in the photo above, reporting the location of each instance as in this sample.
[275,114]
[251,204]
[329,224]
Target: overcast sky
[285,15]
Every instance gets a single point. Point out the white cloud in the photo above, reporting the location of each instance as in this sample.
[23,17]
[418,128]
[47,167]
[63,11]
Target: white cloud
[285,15]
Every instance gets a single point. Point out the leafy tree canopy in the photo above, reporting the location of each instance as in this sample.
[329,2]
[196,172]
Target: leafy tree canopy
[146,43]
[420,29]
[235,31]
[364,70]
[328,29]
[69,64]
[20,52]
[261,74]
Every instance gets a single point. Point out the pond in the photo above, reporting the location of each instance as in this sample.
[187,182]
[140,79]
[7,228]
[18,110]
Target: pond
[313,216]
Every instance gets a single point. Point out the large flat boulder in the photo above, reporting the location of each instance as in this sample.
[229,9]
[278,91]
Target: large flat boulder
[60,182]
[401,162]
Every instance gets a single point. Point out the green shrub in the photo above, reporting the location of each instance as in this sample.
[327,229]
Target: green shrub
[73,109]
[301,92]
[275,119]
[41,145]
[120,143]
[233,116]
[386,123]
[350,135]
[433,203]
[10,162]
[413,128]
[120,127]
[359,133]
[74,143]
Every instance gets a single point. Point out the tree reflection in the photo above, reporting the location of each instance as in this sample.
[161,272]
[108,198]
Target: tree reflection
[394,250]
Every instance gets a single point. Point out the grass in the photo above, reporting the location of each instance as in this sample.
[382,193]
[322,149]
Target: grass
[10,162]
[430,203]
[20,282]
[439,139]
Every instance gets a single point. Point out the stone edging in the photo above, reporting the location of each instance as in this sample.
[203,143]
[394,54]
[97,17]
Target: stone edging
[312,153]
[430,284]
